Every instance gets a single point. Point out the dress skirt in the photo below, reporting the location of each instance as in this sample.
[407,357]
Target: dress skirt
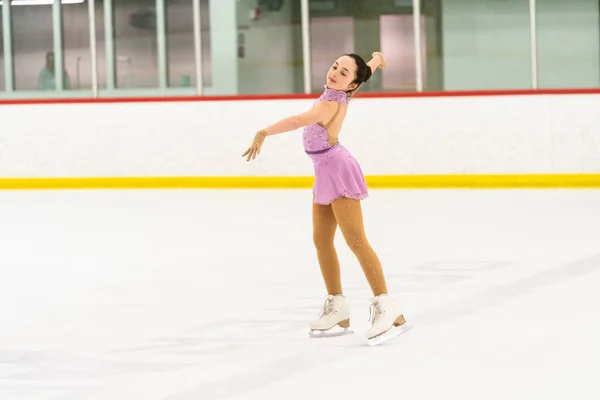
[337,174]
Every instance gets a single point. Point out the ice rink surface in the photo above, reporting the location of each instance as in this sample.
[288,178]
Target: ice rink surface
[192,294]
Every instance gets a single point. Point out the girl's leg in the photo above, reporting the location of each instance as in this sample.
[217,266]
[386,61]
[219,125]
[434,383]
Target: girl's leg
[348,214]
[324,227]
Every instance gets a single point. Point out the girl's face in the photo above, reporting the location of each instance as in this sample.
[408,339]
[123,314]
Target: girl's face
[341,74]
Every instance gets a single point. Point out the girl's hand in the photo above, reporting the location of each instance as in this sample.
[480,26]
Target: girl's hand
[382,63]
[254,148]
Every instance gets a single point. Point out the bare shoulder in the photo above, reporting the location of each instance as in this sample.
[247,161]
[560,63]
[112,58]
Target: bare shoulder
[327,108]
[327,104]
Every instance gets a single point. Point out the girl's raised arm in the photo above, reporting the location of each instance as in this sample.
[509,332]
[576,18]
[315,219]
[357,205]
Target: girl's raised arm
[378,61]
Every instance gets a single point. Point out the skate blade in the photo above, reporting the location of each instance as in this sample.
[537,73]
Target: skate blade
[333,332]
[392,333]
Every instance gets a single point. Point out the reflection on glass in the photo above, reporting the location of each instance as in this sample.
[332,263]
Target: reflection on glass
[568,43]
[2,78]
[136,48]
[76,44]
[330,38]
[337,28]
[398,45]
[180,44]
[269,48]
[486,45]
[33,48]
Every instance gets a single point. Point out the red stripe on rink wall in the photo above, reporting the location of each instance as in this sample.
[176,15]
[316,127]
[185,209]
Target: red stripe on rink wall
[379,95]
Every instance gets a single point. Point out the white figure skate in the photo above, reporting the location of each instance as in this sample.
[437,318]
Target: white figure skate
[386,321]
[334,319]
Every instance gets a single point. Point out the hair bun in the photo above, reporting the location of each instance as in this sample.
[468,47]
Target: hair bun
[363,71]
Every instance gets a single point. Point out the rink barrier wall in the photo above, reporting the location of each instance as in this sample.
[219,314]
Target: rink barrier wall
[479,139]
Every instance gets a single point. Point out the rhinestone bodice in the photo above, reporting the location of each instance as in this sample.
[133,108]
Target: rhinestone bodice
[315,136]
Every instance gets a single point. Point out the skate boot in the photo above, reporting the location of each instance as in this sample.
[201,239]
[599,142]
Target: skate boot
[334,319]
[386,320]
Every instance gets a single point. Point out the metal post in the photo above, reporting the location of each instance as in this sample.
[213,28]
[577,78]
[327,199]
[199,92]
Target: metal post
[9,79]
[306,56]
[109,40]
[161,43]
[533,38]
[417,35]
[93,44]
[198,47]
[58,47]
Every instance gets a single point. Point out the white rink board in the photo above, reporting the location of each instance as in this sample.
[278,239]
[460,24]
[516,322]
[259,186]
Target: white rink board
[389,136]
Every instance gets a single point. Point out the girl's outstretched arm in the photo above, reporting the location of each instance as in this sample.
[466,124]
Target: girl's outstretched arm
[322,111]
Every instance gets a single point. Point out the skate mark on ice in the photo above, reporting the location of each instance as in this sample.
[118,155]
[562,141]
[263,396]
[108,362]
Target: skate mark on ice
[219,338]
[287,367]
[508,291]
[47,365]
[31,374]
[432,275]
[261,376]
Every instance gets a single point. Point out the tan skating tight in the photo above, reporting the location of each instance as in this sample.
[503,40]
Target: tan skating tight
[347,214]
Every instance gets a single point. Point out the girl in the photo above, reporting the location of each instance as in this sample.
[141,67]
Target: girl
[339,187]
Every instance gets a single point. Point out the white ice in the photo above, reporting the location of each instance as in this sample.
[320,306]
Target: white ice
[192,294]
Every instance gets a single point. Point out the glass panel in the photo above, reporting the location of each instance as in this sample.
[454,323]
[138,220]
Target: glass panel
[205,42]
[398,45]
[100,43]
[33,55]
[135,44]
[76,44]
[432,45]
[180,43]
[181,60]
[2,77]
[339,34]
[568,40]
[486,44]
[269,47]
[339,27]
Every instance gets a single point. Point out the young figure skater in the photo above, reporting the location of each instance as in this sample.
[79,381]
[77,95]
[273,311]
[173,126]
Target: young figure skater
[339,187]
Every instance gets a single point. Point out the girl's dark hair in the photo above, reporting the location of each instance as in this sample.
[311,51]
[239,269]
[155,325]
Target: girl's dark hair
[363,71]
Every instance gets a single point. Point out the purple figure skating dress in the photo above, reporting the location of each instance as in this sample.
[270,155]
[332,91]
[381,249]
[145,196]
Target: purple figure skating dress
[337,173]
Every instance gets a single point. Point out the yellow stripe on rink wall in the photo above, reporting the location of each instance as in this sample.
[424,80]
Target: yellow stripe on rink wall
[499,181]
